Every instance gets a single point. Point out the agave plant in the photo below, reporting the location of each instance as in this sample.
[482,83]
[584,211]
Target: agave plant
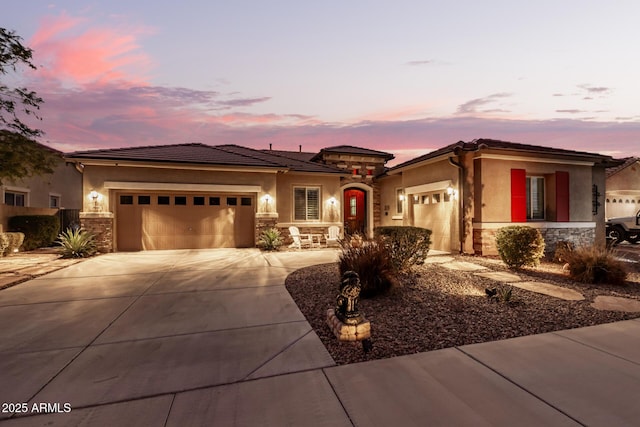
[76,243]
[270,239]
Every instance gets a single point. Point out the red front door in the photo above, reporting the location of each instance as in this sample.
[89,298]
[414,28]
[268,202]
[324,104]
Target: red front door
[354,211]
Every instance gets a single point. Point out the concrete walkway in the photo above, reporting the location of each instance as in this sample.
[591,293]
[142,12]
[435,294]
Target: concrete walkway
[180,338]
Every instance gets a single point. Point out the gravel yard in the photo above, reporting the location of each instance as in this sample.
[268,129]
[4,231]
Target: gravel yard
[439,308]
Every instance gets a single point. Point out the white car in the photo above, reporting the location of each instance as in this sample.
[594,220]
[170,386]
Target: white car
[624,228]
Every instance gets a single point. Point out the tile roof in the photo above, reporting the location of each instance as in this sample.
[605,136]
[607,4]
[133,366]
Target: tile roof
[349,149]
[626,162]
[478,144]
[196,153]
[299,155]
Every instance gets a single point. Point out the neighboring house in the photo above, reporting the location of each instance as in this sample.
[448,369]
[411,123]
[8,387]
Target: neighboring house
[465,192]
[201,196]
[42,194]
[623,189]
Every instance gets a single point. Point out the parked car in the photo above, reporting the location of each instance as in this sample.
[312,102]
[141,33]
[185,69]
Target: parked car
[624,228]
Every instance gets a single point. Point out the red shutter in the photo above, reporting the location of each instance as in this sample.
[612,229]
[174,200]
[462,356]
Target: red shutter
[518,195]
[562,196]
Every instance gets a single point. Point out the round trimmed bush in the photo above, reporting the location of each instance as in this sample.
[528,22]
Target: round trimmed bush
[520,246]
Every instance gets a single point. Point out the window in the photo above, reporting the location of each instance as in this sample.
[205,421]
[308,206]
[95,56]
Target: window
[198,200]
[180,200]
[399,200]
[353,206]
[54,201]
[435,198]
[214,201]
[232,201]
[306,203]
[126,200]
[144,200]
[163,200]
[535,197]
[425,200]
[14,199]
[245,201]
[540,197]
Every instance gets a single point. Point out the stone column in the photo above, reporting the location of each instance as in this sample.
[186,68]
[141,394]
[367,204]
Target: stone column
[264,220]
[100,224]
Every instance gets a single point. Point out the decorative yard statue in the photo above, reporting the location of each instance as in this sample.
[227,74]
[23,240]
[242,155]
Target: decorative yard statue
[347,299]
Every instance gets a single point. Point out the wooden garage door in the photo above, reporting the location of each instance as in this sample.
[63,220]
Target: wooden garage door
[434,211]
[147,221]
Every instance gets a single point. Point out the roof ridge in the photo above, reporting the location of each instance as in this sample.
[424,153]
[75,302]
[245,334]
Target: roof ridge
[219,147]
[141,146]
[303,160]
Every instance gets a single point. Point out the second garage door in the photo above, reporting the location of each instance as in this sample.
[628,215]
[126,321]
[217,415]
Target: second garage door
[434,211]
[147,221]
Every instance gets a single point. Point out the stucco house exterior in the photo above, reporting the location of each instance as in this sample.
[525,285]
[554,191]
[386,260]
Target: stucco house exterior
[623,189]
[42,194]
[201,196]
[466,191]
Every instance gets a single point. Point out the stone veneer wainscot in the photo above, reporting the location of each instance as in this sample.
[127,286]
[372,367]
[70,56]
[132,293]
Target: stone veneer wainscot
[579,233]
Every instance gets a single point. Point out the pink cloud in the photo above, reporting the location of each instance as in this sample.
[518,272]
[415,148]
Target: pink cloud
[73,51]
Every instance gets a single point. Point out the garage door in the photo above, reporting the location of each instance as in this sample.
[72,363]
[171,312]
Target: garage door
[433,211]
[147,221]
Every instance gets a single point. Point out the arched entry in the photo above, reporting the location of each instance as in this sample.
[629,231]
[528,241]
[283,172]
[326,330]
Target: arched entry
[355,211]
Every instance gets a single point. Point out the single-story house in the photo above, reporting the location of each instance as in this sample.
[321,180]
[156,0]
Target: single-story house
[201,196]
[623,189]
[42,194]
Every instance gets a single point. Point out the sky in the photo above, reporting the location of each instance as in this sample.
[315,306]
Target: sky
[405,77]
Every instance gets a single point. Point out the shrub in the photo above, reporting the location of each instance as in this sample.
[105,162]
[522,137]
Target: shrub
[14,241]
[594,265]
[371,260]
[39,230]
[77,243]
[407,246]
[563,251]
[520,245]
[4,243]
[270,239]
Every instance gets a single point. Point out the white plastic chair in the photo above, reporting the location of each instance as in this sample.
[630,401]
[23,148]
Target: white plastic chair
[333,236]
[299,240]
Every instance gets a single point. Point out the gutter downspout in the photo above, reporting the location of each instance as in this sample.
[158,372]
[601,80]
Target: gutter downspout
[460,203]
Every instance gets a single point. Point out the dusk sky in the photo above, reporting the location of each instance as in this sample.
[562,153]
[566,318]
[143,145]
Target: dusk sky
[405,77]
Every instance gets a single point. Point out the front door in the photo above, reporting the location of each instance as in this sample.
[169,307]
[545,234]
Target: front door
[354,211]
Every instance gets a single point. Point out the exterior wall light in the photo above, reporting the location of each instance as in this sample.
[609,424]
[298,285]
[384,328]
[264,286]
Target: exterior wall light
[332,201]
[452,192]
[267,199]
[96,198]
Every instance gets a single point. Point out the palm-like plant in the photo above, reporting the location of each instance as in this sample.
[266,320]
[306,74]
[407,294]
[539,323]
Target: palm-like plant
[270,239]
[77,243]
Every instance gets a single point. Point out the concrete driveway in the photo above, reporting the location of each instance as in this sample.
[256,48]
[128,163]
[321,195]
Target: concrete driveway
[122,333]
[212,337]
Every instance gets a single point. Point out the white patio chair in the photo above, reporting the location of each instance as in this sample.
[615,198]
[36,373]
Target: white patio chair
[333,236]
[299,240]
